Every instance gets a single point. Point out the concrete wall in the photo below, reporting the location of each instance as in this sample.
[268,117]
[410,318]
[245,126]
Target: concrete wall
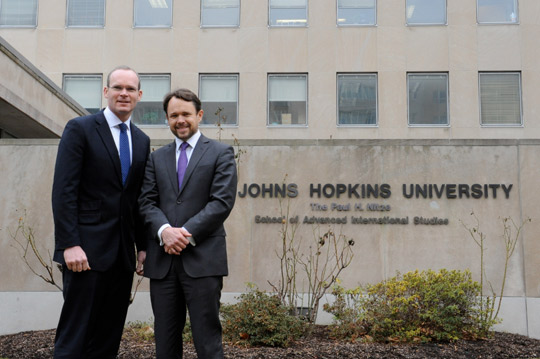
[31,105]
[380,249]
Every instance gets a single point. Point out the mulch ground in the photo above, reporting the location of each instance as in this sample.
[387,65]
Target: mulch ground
[39,344]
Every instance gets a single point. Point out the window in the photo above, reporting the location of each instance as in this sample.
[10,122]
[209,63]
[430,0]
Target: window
[149,111]
[287,13]
[426,12]
[497,11]
[18,13]
[85,89]
[220,13]
[86,13]
[152,13]
[219,97]
[356,12]
[287,99]
[500,98]
[357,99]
[428,99]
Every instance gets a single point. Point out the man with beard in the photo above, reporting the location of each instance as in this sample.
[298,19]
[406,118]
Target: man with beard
[188,191]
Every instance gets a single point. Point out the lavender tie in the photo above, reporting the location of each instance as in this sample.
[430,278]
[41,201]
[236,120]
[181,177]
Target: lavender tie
[182,163]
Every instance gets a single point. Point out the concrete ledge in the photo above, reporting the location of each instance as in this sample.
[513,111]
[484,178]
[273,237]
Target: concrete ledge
[39,76]
[514,314]
[23,311]
[533,317]
[26,311]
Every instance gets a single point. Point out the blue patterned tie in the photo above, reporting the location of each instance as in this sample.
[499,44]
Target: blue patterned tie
[182,163]
[125,161]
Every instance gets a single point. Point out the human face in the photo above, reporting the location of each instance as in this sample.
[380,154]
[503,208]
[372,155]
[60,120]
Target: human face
[123,93]
[183,118]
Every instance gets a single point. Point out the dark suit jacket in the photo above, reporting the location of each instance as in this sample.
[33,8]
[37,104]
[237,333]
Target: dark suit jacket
[201,206]
[91,207]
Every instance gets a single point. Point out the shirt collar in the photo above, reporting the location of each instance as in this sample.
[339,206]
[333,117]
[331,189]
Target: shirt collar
[192,141]
[113,120]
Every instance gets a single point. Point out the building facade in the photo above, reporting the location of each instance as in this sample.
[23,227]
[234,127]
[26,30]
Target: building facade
[388,121]
[341,69]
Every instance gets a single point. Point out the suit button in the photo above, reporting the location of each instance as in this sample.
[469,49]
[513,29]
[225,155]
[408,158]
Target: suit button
[178,202]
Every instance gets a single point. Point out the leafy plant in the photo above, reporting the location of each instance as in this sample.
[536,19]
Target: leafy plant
[260,319]
[346,311]
[141,330]
[424,306]
[187,334]
[144,331]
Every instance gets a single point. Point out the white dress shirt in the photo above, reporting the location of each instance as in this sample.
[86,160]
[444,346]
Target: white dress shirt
[114,123]
[192,141]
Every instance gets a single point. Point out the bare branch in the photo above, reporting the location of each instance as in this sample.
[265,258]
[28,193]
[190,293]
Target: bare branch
[26,246]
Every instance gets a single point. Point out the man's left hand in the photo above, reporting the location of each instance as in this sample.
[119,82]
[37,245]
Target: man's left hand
[141,257]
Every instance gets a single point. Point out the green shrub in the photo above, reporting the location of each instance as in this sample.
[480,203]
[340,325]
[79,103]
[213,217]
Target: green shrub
[346,311]
[187,335]
[425,306]
[260,319]
[144,331]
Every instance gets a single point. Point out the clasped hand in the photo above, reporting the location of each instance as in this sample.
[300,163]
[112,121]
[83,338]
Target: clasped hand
[175,240]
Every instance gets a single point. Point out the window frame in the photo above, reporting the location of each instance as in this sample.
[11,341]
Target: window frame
[363,74]
[135,26]
[33,26]
[440,125]
[445,23]
[516,8]
[281,125]
[306,23]
[209,75]
[221,26]
[520,90]
[152,125]
[354,25]
[68,26]
[82,76]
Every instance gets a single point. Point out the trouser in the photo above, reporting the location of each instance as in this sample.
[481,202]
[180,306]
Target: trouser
[170,296]
[94,312]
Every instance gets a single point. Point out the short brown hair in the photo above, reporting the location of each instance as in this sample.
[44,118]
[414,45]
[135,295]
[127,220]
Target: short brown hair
[123,67]
[183,94]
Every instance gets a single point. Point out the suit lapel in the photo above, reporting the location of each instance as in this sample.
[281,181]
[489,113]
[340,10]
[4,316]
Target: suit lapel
[106,136]
[170,165]
[198,153]
[138,152]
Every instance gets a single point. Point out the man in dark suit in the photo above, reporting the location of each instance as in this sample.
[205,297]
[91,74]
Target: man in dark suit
[186,256]
[97,180]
